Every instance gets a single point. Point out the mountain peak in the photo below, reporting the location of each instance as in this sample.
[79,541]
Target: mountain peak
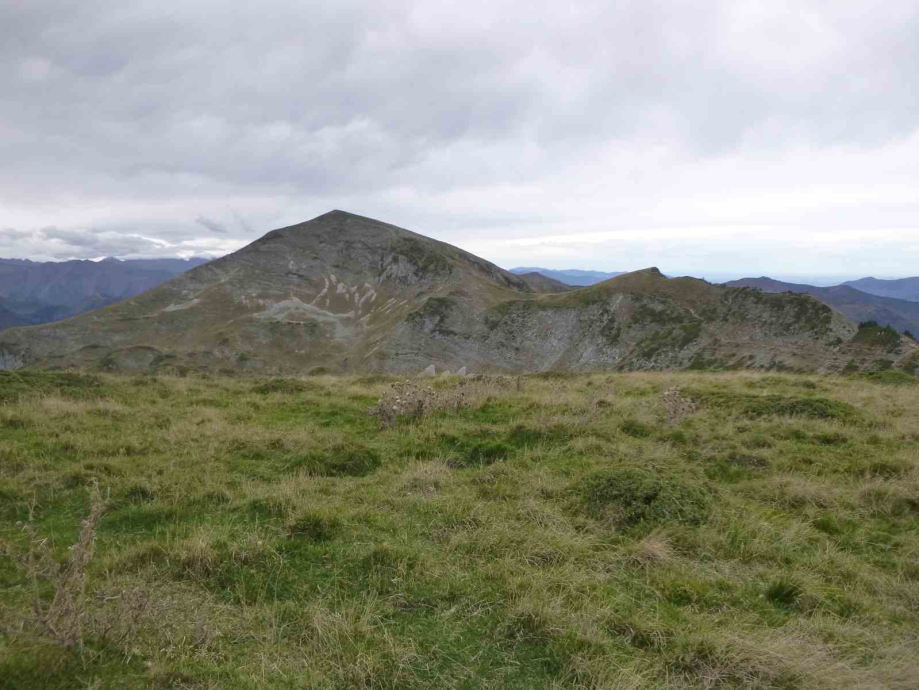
[343,293]
[338,213]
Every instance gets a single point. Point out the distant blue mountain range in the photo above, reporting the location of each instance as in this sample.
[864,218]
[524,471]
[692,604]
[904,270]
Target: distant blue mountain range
[569,276]
[34,292]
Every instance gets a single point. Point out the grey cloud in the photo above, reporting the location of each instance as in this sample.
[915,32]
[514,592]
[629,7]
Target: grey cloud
[12,234]
[244,224]
[211,225]
[283,110]
[72,238]
[316,98]
[61,243]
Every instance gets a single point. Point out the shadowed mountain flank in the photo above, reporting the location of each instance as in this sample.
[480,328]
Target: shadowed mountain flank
[343,293]
[540,282]
[901,288]
[35,292]
[8,319]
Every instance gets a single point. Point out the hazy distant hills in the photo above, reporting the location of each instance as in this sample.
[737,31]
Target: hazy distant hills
[34,292]
[857,305]
[543,283]
[569,276]
[903,288]
[346,294]
[8,319]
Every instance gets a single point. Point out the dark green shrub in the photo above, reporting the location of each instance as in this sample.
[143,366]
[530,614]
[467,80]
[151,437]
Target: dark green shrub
[872,334]
[892,378]
[757,406]
[636,429]
[784,593]
[630,496]
[315,527]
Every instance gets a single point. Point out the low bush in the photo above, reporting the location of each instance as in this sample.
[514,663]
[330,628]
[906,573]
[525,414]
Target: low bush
[757,406]
[632,496]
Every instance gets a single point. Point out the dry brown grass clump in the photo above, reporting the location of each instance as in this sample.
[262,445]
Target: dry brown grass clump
[677,406]
[73,614]
[409,401]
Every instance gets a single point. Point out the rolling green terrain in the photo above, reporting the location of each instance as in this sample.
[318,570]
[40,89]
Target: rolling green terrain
[648,530]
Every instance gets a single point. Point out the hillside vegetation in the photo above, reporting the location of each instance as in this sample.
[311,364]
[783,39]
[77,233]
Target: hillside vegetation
[852,299]
[348,295]
[687,530]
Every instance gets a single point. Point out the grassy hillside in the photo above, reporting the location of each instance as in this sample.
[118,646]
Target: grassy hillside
[606,531]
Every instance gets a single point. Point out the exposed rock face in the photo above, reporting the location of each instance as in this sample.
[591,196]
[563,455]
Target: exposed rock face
[342,293]
[10,360]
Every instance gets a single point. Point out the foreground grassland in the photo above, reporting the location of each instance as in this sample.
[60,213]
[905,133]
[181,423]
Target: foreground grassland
[607,531]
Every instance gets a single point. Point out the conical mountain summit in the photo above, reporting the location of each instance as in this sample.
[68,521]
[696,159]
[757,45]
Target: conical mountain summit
[345,294]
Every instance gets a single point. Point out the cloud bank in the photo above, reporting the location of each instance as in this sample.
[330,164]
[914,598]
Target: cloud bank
[700,137]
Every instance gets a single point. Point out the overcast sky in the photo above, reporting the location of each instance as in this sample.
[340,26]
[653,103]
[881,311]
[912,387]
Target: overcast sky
[703,137]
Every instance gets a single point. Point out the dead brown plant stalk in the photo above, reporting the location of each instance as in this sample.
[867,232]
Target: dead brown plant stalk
[677,406]
[74,612]
[410,402]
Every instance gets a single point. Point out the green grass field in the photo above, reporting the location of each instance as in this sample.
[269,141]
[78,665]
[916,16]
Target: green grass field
[694,530]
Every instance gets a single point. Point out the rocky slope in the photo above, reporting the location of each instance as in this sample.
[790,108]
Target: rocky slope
[343,293]
[857,305]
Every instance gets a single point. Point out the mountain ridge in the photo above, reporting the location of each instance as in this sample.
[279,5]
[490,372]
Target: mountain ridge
[898,288]
[860,306]
[343,293]
[568,276]
[42,292]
